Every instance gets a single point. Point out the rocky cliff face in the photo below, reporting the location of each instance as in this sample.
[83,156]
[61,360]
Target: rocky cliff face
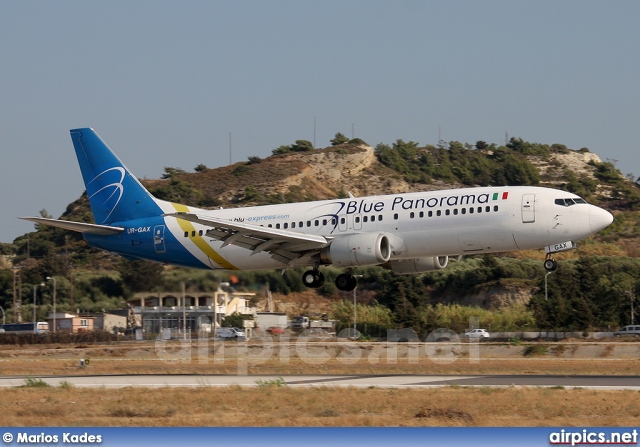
[335,171]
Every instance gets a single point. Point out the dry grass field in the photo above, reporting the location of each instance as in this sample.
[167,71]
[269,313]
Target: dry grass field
[274,404]
[325,406]
[621,358]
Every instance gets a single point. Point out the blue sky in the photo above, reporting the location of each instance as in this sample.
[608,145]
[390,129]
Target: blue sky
[165,83]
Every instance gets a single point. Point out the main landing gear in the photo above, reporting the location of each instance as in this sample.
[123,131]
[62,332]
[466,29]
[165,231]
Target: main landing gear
[346,282]
[550,264]
[314,279]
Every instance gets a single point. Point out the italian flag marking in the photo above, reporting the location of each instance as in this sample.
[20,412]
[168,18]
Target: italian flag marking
[505,195]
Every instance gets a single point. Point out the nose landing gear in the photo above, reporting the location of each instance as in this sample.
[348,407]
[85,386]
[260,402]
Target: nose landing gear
[550,264]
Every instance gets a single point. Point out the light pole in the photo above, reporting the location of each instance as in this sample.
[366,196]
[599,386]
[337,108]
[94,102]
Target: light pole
[545,284]
[632,298]
[355,314]
[54,302]
[184,312]
[35,318]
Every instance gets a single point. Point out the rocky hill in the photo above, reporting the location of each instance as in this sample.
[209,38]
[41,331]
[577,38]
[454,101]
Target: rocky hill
[386,169]
[333,172]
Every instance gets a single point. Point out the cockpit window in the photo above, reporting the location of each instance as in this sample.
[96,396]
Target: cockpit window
[569,202]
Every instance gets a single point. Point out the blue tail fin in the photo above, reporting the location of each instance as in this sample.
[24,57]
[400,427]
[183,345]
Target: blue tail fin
[114,193]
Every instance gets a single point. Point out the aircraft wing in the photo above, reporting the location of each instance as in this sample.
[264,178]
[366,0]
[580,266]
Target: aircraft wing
[284,246]
[102,230]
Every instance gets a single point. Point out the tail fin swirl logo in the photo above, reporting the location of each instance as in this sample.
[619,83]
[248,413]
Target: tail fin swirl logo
[110,201]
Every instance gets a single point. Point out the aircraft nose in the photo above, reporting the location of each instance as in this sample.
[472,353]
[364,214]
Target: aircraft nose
[599,218]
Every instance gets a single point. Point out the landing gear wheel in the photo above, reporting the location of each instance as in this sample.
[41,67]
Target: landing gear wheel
[550,265]
[346,282]
[313,279]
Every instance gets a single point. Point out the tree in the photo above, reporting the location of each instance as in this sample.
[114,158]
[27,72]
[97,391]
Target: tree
[339,139]
[140,276]
[233,320]
[201,168]
[250,193]
[281,150]
[170,172]
[302,146]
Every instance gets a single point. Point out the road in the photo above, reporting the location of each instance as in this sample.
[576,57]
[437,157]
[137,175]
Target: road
[355,380]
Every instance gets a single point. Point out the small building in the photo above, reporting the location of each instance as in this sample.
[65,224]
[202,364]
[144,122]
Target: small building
[199,311]
[265,320]
[66,322]
[107,321]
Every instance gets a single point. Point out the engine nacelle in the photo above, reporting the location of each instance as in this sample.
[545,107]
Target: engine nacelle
[357,249]
[417,265]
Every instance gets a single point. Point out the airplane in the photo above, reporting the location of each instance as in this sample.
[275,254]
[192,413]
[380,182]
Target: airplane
[406,233]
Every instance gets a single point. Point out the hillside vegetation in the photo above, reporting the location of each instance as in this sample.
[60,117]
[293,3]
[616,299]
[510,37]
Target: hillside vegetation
[595,285]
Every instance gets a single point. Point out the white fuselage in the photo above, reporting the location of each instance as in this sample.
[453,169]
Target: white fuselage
[418,225]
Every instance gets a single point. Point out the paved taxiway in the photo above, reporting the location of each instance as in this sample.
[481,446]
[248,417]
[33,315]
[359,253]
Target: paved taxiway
[363,381]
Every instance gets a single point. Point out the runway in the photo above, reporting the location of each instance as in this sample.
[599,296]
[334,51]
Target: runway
[355,380]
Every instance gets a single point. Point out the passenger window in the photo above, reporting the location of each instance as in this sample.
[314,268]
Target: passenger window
[324,221]
[365,219]
[479,209]
[495,208]
[270,226]
[308,223]
[293,224]
[463,211]
[455,212]
[471,210]
[278,226]
[395,216]
[447,212]
[430,213]
[488,209]
[380,218]
[333,221]
[439,213]
[412,215]
[186,234]
[342,220]
[193,234]
[200,233]
[286,225]
[317,223]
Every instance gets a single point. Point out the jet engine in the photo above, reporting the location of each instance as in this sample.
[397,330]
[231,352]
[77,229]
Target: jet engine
[417,265]
[357,249]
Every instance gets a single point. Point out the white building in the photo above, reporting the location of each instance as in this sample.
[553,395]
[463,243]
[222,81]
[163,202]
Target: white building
[161,310]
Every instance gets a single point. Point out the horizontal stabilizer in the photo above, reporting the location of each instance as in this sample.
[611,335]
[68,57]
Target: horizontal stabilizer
[102,230]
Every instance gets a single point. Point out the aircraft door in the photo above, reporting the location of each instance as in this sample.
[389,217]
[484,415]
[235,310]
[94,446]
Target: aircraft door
[158,239]
[342,223]
[357,222]
[528,208]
